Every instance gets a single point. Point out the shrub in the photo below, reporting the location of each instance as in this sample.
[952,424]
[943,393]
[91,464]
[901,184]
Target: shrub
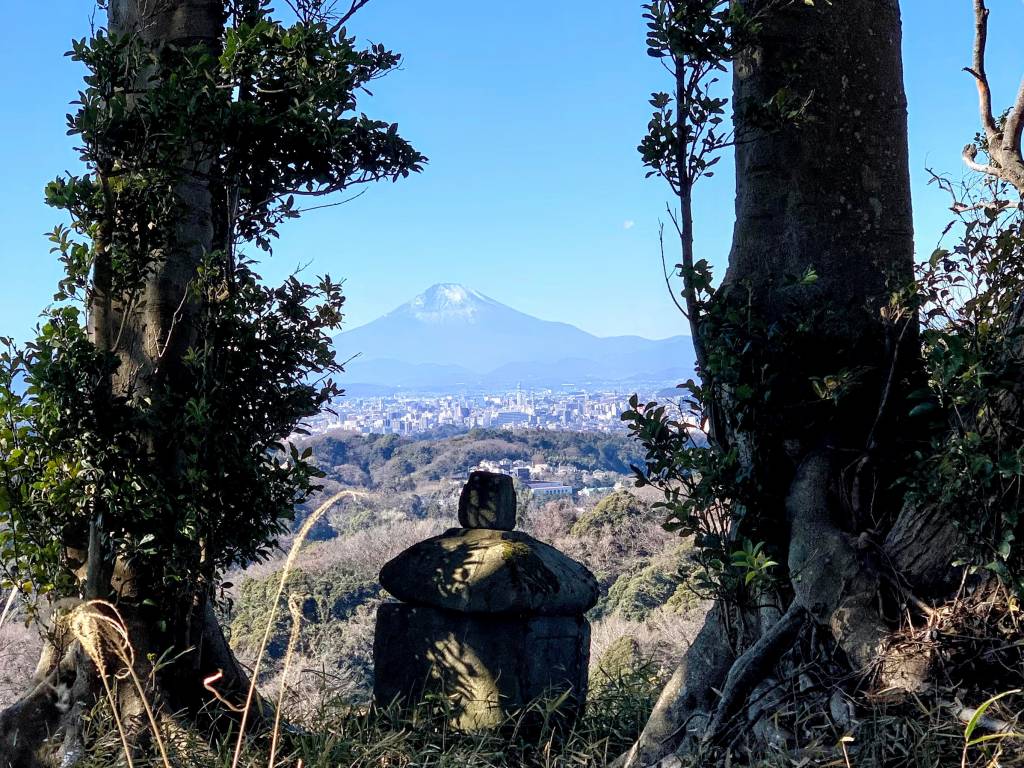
[613,511]
[328,596]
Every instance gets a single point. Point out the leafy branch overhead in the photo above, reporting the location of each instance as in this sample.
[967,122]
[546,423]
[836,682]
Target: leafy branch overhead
[174,447]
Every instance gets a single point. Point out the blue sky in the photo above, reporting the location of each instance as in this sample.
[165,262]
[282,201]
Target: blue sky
[530,113]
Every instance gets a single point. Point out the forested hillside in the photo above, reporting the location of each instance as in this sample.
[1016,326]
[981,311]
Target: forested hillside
[391,461]
[648,611]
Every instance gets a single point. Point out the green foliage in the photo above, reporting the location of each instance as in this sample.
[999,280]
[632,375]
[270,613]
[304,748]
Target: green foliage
[53,448]
[754,564]
[385,460]
[973,343]
[688,129]
[183,465]
[611,512]
[699,483]
[623,690]
[620,658]
[640,590]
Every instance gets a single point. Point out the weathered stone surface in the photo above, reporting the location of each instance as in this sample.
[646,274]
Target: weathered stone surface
[489,571]
[488,500]
[488,666]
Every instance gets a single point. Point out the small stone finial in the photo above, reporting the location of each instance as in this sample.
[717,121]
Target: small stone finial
[488,500]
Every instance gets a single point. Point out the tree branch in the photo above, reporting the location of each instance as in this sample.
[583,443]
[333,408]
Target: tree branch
[668,276]
[969,154]
[356,6]
[684,225]
[980,77]
[1014,128]
[1003,146]
[352,11]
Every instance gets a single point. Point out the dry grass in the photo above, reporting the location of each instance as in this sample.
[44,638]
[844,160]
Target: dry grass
[363,552]
[339,736]
[661,640]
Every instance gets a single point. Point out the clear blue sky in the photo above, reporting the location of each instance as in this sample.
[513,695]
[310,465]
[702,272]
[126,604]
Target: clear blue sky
[530,113]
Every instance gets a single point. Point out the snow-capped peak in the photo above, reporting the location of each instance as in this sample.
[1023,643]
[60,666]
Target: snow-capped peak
[447,301]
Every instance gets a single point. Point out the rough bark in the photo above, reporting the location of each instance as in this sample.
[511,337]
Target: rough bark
[161,325]
[831,191]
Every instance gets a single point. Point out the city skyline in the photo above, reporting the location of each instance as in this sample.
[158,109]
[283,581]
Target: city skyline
[579,410]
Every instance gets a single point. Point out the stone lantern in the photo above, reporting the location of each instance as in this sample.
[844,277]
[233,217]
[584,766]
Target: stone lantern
[489,617]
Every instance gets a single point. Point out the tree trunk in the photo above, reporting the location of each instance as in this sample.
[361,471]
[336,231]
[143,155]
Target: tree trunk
[823,234]
[162,325]
[149,334]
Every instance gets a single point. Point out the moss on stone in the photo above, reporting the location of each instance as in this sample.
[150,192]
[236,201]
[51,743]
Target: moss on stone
[514,550]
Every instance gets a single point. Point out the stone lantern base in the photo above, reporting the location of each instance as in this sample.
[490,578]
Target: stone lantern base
[489,666]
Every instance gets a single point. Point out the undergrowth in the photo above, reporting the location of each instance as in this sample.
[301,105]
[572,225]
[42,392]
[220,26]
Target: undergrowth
[909,734]
[338,735]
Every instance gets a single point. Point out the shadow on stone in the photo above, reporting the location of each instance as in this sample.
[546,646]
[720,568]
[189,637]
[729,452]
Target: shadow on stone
[488,669]
[491,622]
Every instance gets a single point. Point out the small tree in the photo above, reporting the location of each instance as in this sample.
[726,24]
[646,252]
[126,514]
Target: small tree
[147,452]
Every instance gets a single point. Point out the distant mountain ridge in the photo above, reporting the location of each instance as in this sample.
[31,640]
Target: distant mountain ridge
[452,337]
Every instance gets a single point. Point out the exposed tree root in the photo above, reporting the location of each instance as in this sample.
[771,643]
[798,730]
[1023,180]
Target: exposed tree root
[829,576]
[751,668]
[839,582]
[688,701]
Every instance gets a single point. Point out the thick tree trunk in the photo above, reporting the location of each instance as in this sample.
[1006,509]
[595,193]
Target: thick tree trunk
[832,189]
[825,187]
[150,334]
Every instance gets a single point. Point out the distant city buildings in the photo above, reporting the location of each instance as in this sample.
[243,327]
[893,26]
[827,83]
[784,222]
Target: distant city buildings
[536,479]
[545,491]
[410,415]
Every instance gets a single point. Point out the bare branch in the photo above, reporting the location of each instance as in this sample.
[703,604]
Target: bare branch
[988,205]
[981,78]
[969,154]
[354,8]
[668,276]
[334,204]
[352,11]
[968,203]
[1003,146]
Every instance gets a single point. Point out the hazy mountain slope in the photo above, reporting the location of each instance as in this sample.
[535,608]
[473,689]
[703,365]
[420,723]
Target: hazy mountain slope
[451,335]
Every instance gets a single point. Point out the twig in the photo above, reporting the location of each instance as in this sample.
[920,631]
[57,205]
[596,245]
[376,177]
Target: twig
[668,276]
[966,714]
[7,606]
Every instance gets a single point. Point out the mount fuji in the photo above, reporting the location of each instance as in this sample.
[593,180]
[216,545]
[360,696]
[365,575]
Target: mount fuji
[453,338]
